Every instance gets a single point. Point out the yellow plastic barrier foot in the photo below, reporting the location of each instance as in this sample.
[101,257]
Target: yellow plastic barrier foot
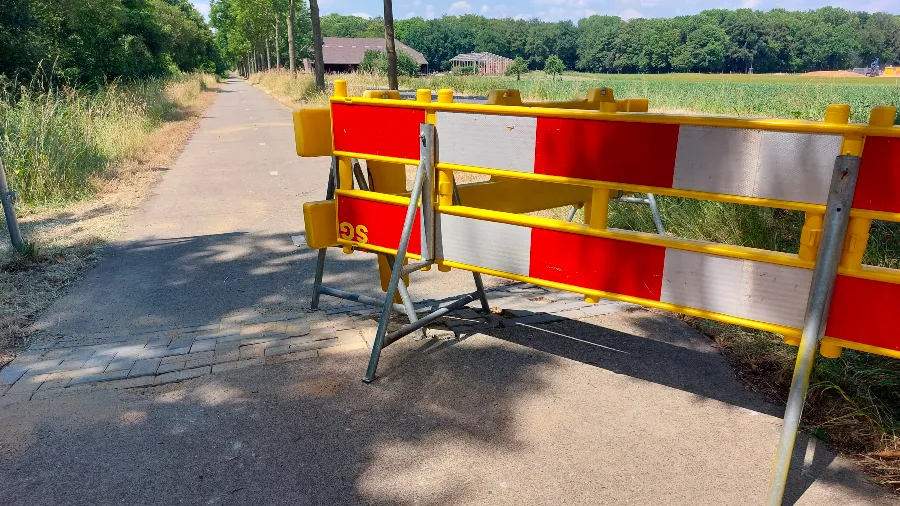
[348,250]
[591,299]
[829,350]
[791,340]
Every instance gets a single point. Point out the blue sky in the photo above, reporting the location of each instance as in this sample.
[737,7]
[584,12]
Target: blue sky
[553,10]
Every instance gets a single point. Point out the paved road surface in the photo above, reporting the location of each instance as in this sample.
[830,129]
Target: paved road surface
[214,240]
[626,408]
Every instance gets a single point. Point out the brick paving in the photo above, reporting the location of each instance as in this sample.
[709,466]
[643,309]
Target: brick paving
[157,356]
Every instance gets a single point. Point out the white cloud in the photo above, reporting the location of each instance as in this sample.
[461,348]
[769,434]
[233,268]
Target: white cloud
[361,15]
[485,9]
[630,13]
[410,14]
[429,11]
[749,4]
[461,7]
[417,3]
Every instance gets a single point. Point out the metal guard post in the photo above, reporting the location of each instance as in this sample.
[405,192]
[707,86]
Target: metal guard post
[837,215]
[7,201]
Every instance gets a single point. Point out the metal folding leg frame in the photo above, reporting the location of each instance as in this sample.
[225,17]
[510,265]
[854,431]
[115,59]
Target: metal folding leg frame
[837,215]
[319,290]
[422,189]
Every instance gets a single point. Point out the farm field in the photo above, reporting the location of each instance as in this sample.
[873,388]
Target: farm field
[776,96]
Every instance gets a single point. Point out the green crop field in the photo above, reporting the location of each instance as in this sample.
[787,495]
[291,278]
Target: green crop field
[792,97]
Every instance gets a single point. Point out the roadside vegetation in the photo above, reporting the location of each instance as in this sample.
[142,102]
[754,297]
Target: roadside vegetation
[96,98]
[81,160]
[854,401]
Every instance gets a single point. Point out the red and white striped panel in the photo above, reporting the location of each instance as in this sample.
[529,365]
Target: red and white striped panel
[382,222]
[754,163]
[374,130]
[863,311]
[878,187]
[743,288]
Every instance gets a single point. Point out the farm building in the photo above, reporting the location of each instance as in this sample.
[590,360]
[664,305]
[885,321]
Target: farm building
[342,54]
[483,63]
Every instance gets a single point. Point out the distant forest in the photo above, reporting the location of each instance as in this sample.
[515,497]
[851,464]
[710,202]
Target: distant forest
[711,41]
[93,41]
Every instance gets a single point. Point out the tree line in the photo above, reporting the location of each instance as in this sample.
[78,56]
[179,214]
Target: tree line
[256,34]
[88,42]
[712,41]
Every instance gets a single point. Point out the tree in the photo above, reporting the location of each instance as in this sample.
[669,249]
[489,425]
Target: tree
[554,66]
[292,46]
[317,43]
[517,68]
[376,62]
[389,45]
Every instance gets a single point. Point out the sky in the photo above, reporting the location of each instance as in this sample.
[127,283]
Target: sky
[555,10]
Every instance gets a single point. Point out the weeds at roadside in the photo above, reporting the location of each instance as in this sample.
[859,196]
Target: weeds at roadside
[72,204]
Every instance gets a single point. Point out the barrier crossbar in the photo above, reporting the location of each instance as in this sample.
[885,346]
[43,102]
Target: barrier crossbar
[578,154]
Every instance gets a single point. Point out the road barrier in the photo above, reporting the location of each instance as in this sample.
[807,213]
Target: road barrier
[580,153]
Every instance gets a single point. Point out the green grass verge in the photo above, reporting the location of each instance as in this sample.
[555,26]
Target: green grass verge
[54,143]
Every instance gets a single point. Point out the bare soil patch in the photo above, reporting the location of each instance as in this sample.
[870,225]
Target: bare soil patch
[832,73]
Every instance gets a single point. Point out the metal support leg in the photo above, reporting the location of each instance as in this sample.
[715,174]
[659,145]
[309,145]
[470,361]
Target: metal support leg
[358,174]
[571,215]
[837,215]
[8,203]
[320,260]
[408,224]
[651,201]
[410,309]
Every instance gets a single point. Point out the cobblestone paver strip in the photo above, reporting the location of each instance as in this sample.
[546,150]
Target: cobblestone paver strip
[154,356]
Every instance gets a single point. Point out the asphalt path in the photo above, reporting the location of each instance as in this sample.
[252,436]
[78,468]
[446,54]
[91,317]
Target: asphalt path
[214,239]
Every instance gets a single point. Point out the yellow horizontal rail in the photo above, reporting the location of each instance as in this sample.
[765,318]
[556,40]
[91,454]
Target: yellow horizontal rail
[374,197]
[375,249]
[709,248]
[700,313]
[636,188]
[671,192]
[727,250]
[780,125]
[377,158]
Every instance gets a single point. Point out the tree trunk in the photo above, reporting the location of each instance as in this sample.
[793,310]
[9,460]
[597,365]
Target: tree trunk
[268,56]
[292,52]
[317,43]
[389,45]
[277,46]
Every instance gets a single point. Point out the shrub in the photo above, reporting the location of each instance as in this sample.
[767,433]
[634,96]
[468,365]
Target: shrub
[375,61]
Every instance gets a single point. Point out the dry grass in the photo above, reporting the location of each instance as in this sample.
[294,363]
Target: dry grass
[68,237]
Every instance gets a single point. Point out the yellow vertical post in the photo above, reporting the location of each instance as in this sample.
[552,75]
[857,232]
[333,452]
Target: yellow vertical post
[858,228]
[444,177]
[424,95]
[340,88]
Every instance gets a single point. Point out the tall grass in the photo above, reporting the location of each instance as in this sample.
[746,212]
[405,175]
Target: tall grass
[55,143]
